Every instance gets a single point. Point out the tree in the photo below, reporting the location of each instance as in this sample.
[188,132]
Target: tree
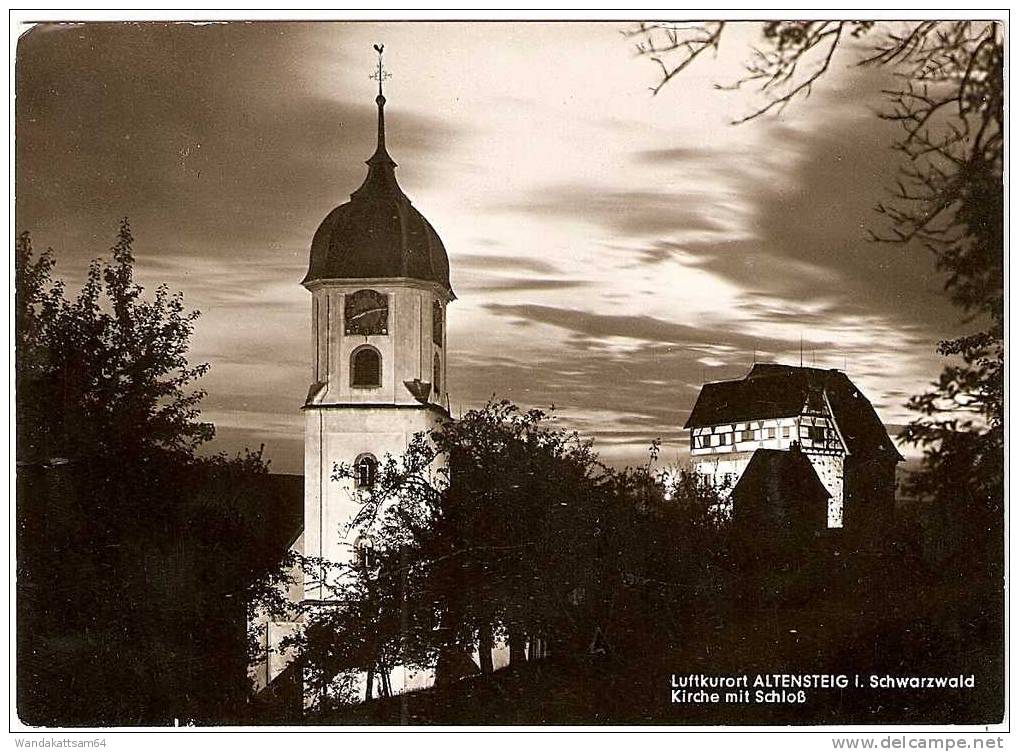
[133,552]
[948,97]
[504,527]
[109,369]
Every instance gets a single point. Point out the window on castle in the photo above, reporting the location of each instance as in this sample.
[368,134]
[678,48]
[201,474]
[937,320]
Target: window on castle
[747,436]
[366,312]
[437,323]
[366,470]
[365,368]
[816,434]
[771,433]
[437,375]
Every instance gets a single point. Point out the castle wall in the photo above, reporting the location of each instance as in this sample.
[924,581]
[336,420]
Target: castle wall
[830,471]
[720,454]
[870,492]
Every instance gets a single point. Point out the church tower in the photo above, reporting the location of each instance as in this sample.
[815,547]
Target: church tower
[379,283]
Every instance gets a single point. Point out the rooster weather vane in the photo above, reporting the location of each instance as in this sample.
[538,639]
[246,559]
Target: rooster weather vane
[380,74]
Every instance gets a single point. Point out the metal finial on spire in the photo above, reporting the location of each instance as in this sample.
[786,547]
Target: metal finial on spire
[380,74]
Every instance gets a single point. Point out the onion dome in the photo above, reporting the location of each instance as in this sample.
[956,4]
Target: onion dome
[378,233]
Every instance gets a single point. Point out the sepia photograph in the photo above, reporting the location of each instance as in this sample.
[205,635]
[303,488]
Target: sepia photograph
[523,373]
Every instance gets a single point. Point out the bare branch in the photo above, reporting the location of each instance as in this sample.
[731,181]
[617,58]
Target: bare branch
[691,40]
[786,70]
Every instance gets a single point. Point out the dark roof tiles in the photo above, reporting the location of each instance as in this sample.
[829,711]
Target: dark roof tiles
[378,233]
[772,390]
[774,473]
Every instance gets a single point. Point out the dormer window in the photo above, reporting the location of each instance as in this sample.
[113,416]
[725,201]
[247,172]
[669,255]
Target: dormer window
[815,401]
[365,368]
[366,312]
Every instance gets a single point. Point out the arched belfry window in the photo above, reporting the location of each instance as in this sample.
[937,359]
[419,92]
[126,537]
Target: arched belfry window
[366,312]
[365,368]
[366,471]
[437,375]
[437,323]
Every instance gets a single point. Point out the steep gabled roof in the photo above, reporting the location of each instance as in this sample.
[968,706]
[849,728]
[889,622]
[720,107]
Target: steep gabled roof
[773,390]
[281,512]
[779,494]
[775,474]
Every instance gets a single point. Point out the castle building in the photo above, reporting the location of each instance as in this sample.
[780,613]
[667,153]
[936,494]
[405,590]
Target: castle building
[819,412]
[379,283]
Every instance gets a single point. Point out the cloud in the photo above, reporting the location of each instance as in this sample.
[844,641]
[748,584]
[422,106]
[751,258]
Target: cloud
[808,236]
[639,213]
[525,284]
[487,262]
[683,154]
[211,141]
[594,326]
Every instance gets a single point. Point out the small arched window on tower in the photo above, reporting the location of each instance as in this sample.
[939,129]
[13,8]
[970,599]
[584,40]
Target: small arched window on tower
[366,312]
[437,375]
[366,470]
[365,368]
[437,323]
[365,548]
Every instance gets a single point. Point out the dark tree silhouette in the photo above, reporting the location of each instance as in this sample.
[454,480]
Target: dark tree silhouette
[133,553]
[113,365]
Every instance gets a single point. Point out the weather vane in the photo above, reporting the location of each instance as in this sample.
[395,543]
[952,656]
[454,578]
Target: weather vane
[381,74]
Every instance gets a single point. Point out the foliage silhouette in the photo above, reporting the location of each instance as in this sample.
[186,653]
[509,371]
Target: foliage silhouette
[504,528]
[134,554]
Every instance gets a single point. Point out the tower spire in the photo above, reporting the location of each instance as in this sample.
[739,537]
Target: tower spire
[381,74]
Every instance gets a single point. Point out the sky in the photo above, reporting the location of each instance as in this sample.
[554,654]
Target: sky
[610,250]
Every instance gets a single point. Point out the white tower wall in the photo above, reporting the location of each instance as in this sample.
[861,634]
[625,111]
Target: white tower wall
[344,421]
